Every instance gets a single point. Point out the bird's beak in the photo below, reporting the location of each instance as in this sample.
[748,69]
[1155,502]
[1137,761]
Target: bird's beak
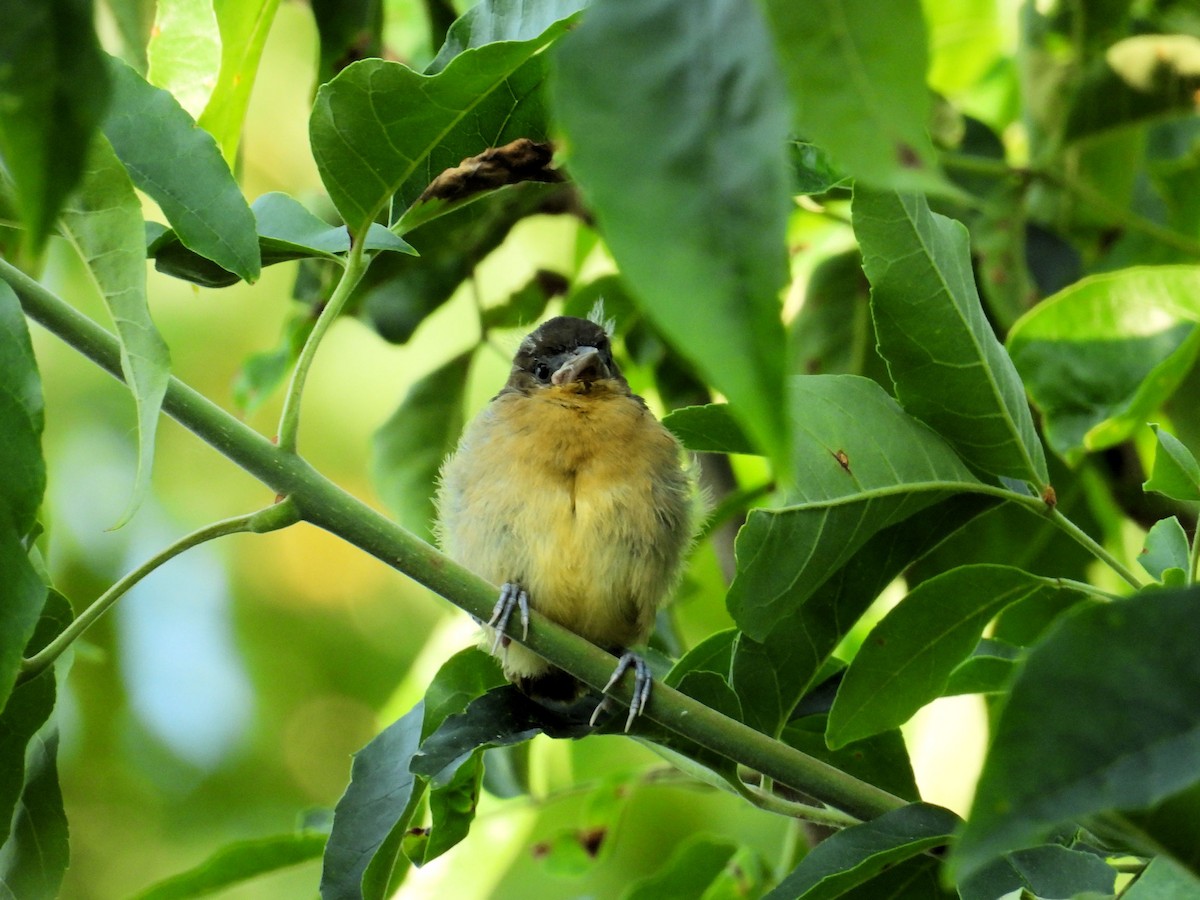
[584,364]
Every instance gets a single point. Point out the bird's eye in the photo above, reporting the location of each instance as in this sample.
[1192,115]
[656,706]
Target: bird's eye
[541,372]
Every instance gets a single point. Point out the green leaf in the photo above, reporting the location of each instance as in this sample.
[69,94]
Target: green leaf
[771,675]
[712,428]
[987,670]
[499,718]
[34,851]
[380,129]
[812,170]
[21,419]
[1049,871]
[690,183]
[286,231]
[243,30]
[239,862]
[408,449]
[913,879]
[24,596]
[692,867]
[1100,356]
[28,707]
[1166,550]
[860,465]
[380,801]
[55,88]
[184,52]
[1102,716]
[950,370]
[1176,474]
[348,30]
[451,810]
[1163,880]
[1141,78]
[856,70]
[103,219]
[286,227]
[906,660]
[180,166]
[491,21]
[21,488]
[856,854]
[35,856]
[468,674]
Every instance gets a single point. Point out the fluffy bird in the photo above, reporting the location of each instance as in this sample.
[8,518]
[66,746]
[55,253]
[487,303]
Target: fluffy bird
[568,491]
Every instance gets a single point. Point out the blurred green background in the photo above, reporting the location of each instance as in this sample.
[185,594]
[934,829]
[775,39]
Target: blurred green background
[224,696]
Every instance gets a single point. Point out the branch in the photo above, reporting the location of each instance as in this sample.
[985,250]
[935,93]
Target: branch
[324,504]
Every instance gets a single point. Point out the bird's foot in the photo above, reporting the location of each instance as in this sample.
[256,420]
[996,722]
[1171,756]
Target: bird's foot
[512,596]
[642,681]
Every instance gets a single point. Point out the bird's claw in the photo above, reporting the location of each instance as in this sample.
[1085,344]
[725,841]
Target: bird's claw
[512,596]
[642,681]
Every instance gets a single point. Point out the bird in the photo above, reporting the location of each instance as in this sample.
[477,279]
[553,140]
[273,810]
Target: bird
[568,492]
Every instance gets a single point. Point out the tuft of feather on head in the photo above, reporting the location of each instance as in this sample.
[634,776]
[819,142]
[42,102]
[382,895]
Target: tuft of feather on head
[596,316]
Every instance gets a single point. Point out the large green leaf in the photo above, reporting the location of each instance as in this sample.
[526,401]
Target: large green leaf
[1100,356]
[770,676]
[950,370]
[244,27]
[690,183]
[857,75]
[408,449]
[380,129]
[55,88]
[381,799]
[181,167]
[857,854]
[363,856]
[907,659]
[237,863]
[21,487]
[1102,716]
[861,464]
[103,219]
[490,21]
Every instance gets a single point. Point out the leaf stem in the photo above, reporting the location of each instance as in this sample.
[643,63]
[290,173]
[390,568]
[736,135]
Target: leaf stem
[289,420]
[771,802]
[322,503]
[1082,538]
[279,515]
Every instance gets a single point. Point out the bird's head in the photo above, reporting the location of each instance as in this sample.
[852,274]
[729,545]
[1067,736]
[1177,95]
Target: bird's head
[569,354]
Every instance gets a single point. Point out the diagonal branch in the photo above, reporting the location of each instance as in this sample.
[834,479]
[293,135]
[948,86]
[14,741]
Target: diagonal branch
[322,503]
